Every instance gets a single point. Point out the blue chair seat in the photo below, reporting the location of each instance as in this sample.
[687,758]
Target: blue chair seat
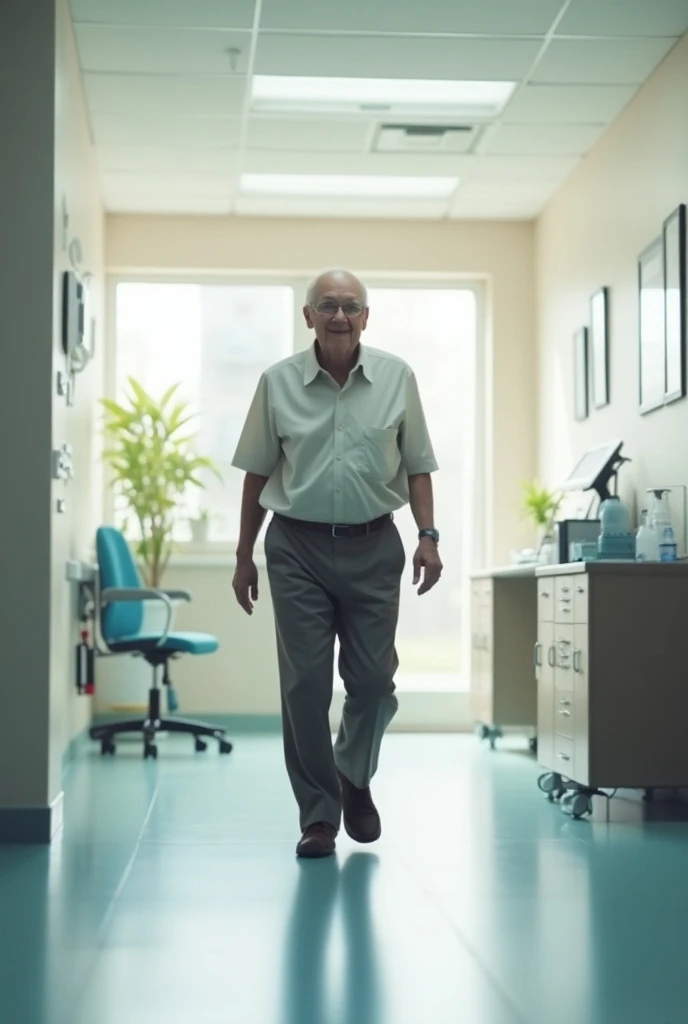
[175,643]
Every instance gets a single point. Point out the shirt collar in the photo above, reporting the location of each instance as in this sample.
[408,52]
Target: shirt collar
[312,367]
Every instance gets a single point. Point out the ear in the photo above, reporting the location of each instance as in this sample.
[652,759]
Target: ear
[307,316]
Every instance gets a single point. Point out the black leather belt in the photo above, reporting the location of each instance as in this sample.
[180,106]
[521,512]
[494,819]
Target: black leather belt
[338,531]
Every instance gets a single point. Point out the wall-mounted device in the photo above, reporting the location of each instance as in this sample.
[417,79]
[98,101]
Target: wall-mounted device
[596,469]
[73,313]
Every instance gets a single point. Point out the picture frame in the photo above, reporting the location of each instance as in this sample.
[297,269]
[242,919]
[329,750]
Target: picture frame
[675,304]
[581,400]
[651,327]
[598,347]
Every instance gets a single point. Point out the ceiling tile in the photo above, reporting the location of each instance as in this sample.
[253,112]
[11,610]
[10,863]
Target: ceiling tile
[187,96]
[167,184]
[175,51]
[209,132]
[528,169]
[262,162]
[505,193]
[491,17]
[625,18]
[395,57]
[568,104]
[333,135]
[601,62]
[187,159]
[488,210]
[327,208]
[542,139]
[199,13]
[152,202]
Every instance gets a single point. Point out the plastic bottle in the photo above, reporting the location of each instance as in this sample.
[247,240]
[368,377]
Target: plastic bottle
[645,540]
[667,546]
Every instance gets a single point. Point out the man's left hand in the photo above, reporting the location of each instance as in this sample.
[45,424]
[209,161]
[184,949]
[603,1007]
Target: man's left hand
[428,564]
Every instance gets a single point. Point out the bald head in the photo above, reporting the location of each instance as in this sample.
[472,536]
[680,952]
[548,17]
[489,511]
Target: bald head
[336,280]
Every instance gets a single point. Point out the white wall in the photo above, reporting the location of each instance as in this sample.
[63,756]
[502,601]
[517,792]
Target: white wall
[76,179]
[590,235]
[242,677]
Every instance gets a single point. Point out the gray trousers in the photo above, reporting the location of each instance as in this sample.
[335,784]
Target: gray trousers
[325,587]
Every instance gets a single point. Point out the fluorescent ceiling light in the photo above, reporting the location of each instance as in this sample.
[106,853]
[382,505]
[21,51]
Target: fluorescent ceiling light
[347,186]
[377,95]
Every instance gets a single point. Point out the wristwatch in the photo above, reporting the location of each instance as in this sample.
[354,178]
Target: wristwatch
[431,533]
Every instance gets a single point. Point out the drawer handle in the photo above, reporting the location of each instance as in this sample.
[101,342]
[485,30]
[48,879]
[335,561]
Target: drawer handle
[564,757]
[565,703]
[580,590]
[564,608]
[566,590]
[544,593]
[565,713]
[537,655]
[577,657]
[551,656]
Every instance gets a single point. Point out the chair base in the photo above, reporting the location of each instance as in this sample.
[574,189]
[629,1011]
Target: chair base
[153,724]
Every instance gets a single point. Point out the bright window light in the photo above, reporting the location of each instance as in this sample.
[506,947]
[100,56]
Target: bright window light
[281,92]
[347,185]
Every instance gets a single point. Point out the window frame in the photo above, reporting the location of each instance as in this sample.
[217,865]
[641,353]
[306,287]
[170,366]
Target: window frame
[221,553]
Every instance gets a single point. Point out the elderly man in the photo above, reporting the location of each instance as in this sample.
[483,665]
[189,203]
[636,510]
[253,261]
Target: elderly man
[335,441]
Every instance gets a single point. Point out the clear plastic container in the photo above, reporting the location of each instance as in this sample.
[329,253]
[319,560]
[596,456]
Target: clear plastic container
[646,540]
[667,545]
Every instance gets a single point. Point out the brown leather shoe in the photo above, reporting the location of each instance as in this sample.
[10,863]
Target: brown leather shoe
[361,819]
[318,840]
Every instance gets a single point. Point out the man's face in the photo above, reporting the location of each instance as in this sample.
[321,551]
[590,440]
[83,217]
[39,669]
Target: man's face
[338,313]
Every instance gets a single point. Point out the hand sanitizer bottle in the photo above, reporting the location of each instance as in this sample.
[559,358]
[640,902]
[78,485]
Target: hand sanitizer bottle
[645,540]
[667,547]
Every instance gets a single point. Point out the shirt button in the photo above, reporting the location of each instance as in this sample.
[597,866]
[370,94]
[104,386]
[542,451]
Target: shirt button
[340,427]
[339,490]
[339,458]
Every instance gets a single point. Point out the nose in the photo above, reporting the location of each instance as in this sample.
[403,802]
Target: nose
[339,315]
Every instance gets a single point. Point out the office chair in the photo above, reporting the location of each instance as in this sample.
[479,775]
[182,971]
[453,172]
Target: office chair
[119,603]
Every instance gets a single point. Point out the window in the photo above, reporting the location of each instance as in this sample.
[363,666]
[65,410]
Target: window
[216,339]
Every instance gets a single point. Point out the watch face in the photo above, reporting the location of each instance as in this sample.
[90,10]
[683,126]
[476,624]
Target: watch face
[433,534]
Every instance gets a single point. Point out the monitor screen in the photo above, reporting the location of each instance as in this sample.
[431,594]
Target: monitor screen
[591,466]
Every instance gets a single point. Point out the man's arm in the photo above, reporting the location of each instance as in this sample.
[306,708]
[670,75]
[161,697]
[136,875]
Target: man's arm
[245,581]
[426,559]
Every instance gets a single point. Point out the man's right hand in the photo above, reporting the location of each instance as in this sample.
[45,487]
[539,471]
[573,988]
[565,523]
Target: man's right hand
[245,583]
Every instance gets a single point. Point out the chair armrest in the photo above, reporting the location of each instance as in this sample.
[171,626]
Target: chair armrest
[112,594]
[177,595]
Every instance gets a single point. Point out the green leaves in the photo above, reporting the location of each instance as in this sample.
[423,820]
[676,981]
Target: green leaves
[153,466]
[539,504]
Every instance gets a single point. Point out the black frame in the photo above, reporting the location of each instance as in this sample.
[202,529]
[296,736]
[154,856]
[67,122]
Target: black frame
[647,258]
[581,399]
[597,341]
[675,320]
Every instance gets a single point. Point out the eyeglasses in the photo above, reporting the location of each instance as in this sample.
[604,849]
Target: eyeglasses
[330,308]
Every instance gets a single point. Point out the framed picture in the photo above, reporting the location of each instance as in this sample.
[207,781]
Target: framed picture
[675,304]
[580,374]
[651,319]
[599,329]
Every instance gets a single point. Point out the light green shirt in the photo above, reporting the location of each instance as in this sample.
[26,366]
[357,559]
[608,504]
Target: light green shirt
[336,455]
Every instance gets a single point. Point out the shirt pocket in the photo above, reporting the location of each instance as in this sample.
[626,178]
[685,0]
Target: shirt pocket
[378,456]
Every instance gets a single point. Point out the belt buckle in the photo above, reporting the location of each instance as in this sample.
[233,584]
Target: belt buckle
[338,536]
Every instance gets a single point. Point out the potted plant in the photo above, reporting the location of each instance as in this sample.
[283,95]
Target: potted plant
[199,526]
[153,465]
[541,506]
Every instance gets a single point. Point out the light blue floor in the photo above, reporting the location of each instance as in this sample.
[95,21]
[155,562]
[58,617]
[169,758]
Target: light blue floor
[174,897]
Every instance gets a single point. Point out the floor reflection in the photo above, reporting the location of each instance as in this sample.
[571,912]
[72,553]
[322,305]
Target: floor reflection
[323,888]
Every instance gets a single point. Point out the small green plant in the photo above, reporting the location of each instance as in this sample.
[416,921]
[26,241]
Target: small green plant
[153,465]
[539,504]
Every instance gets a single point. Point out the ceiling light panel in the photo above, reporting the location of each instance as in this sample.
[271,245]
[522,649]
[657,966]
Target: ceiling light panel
[347,185]
[372,97]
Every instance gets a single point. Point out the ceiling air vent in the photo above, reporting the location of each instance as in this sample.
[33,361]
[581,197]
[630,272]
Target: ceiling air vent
[424,138]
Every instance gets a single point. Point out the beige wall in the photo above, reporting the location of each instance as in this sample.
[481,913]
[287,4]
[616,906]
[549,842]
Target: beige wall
[590,235]
[242,676]
[76,178]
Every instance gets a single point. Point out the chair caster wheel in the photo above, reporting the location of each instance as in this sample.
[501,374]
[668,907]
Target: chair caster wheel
[201,745]
[150,750]
[225,747]
[107,747]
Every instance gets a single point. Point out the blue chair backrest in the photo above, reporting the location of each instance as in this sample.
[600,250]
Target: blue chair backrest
[118,569]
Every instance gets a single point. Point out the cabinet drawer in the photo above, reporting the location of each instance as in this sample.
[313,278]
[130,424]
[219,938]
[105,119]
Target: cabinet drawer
[546,599]
[564,599]
[563,754]
[563,713]
[563,655]
[580,599]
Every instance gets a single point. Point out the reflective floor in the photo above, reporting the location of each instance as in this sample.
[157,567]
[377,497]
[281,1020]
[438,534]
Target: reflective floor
[174,896]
